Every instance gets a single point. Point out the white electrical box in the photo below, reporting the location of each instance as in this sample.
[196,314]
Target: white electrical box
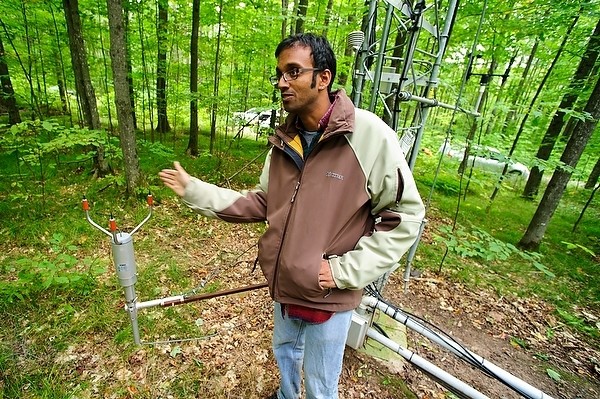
[357,331]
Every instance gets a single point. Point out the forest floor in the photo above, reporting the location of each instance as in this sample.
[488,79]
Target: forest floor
[520,335]
[233,357]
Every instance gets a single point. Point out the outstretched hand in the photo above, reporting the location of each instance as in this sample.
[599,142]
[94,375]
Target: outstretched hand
[176,179]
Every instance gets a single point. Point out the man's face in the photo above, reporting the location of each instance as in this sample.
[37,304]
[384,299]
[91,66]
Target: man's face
[299,95]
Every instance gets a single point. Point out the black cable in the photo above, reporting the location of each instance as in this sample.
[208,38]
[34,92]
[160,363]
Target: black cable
[380,329]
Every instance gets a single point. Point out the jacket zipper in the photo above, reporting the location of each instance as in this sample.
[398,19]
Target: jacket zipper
[287,220]
[295,192]
[285,227]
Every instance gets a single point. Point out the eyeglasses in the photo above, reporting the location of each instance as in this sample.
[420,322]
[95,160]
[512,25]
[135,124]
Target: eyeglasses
[292,74]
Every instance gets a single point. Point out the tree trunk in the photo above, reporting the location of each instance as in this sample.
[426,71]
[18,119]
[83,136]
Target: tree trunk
[161,69]
[558,120]
[83,83]
[301,15]
[146,80]
[118,56]
[60,69]
[35,106]
[7,93]
[105,64]
[213,116]
[127,9]
[327,17]
[192,147]
[537,227]
[284,19]
[585,207]
[59,81]
[26,71]
[594,176]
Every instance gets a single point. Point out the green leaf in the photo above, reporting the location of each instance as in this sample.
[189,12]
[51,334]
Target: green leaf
[175,351]
[544,269]
[61,280]
[553,374]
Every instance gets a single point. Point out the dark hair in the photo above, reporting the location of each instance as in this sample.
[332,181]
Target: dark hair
[322,54]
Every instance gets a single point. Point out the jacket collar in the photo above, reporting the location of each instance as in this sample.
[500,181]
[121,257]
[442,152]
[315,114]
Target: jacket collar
[339,119]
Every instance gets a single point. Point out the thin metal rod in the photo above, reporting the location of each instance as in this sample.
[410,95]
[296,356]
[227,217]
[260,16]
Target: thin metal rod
[406,96]
[362,55]
[201,297]
[96,225]
[381,57]
[181,299]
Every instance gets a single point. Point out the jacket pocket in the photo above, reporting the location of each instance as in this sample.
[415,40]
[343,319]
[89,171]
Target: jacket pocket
[299,279]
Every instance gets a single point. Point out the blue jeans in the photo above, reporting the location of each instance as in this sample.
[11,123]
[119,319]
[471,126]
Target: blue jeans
[318,349]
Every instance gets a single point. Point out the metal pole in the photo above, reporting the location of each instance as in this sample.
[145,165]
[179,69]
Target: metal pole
[181,299]
[363,52]
[381,57]
[124,262]
[446,379]
[433,79]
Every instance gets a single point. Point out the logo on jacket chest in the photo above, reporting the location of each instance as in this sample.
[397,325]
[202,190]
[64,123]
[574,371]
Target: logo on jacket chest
[334,175]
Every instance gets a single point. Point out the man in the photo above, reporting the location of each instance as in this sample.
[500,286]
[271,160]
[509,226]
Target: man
[341,205]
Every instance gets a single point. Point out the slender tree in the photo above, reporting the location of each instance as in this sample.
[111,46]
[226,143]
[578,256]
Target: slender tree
[584,68]
[586,206]
[127,8]
[26,71]
[83,82]
[328,12]
[105,65]
[594,176]
[554,191]
[214,107]
[118,56]
[284,18]
[60,68]
[146,80]
[28,40]
[192,147]
[161,68]
[7,93]
[301,15]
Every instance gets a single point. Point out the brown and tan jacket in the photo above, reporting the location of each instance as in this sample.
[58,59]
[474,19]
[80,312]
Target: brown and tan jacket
[353,201]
